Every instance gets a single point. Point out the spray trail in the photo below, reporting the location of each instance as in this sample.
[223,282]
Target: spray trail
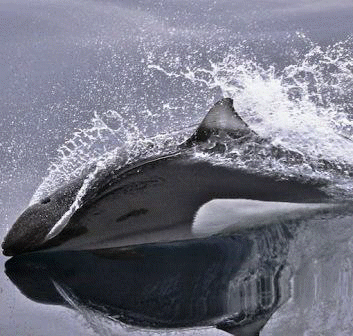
[305,106]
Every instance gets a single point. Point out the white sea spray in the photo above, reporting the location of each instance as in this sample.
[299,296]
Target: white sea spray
[304,107]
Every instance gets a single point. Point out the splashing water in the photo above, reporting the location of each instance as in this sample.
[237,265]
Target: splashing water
[76,154]
[93,150]
[305,107]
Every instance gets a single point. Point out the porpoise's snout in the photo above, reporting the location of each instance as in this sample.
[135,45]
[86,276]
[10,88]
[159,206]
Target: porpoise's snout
[32,227]
[29,231]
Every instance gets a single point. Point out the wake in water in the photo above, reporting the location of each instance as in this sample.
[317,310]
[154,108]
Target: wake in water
[305,107]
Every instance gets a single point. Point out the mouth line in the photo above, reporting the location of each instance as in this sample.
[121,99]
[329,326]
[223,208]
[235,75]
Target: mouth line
[21,247]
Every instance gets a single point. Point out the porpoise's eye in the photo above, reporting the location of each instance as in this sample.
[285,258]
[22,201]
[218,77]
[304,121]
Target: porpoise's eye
[45,200]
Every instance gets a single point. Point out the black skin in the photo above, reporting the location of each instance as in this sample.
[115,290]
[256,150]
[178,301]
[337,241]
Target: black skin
[175,178]
[197,183]
[36,221]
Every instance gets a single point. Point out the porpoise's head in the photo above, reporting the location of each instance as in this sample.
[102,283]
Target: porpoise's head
[30,230]
[36,227]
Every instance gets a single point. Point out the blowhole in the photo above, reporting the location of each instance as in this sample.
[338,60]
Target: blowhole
[45,200]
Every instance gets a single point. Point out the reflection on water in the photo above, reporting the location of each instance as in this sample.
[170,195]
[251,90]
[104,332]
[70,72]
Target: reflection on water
[321,300]
[280,280]
[234,283]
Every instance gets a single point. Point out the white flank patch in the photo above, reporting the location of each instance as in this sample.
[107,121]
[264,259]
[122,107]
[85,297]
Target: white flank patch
[230,215]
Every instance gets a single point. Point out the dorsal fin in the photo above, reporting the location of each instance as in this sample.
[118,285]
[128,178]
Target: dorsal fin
[222,118]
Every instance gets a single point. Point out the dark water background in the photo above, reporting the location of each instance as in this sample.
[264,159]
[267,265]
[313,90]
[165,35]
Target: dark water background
[62,60]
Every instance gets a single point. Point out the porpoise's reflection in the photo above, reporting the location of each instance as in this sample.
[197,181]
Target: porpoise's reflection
[234,283]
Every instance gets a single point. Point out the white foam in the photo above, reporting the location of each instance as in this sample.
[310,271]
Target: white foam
[305,106]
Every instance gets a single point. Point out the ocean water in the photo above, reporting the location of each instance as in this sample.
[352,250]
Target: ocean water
[83,82]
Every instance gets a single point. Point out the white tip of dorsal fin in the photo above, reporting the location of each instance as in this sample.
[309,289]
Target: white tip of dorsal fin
[221,117]
[230,215]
